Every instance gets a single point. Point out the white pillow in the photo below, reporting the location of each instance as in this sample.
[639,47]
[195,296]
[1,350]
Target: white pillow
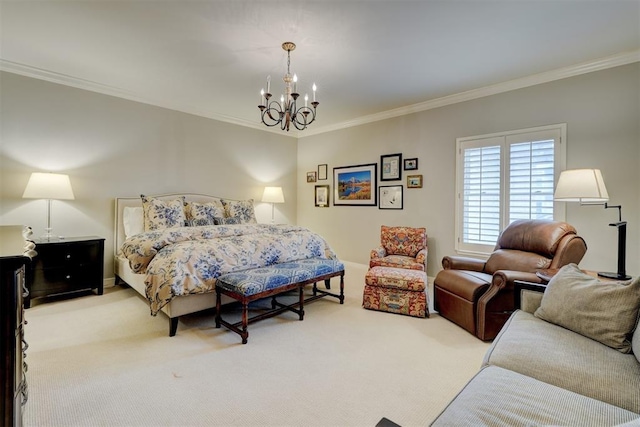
[133,220]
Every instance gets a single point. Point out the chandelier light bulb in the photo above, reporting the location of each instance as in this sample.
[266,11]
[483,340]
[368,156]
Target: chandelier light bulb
[306,98]
[314,92]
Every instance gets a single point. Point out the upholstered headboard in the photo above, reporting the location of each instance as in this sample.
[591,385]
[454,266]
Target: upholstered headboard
[122,202]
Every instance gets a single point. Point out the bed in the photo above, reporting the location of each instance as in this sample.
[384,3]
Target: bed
[174,266]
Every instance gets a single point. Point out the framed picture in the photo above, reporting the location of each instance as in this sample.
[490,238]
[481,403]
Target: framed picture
[391,167]
[322,172]
[322,196]
[390,197]
[414,181]
[410,164]
[355,185]
[311,176]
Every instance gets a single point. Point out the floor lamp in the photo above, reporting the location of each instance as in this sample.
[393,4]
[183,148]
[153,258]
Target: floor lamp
[273,195]
[586,186]
[48,186]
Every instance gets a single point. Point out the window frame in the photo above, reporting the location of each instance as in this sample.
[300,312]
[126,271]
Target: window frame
[505,139]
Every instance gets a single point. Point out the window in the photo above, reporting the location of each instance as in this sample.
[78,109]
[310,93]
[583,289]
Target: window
[503,177]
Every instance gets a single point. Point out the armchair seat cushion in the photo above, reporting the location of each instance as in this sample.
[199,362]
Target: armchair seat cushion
[396,278]
[397,261]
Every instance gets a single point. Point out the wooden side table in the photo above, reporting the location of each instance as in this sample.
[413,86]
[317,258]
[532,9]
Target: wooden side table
[67,265]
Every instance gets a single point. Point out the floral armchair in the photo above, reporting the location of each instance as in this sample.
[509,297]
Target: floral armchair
[401,247]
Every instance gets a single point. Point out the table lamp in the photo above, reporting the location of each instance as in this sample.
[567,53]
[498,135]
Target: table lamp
[273,195]
[48,186]
[586,186]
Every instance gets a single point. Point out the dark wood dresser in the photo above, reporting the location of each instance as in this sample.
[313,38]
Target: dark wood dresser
[67,265]
[14,267]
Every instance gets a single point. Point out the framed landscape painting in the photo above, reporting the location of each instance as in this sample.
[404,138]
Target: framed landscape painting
[355,185]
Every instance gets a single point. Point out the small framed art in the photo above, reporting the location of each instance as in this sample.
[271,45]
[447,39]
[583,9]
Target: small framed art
[410,164]
[322,172]
[322,196]
[414,181]
[390,197]
[311,176]
[391,167]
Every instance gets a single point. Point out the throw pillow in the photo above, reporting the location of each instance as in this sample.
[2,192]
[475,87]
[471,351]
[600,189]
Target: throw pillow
[606,311]
[227,221]
[204,211]
[241,209]
[635,342]
[161,214]
[199,222]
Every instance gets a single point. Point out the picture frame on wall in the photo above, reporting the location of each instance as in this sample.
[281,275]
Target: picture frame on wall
[411,164]
[414,181]
[322,172]
[322,196]
[355,185]
[390,197]
[311,176]
[391,167]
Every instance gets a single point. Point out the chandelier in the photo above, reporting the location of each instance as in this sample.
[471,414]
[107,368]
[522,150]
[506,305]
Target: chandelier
[286,112]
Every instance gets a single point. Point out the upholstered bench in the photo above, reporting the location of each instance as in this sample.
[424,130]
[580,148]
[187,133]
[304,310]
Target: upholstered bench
[396,290]
[254,284]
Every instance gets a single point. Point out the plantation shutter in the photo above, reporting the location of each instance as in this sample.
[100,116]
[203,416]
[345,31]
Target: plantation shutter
[502,178]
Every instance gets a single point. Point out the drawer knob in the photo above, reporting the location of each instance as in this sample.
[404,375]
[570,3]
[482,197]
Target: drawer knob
[68,256]
[68,276]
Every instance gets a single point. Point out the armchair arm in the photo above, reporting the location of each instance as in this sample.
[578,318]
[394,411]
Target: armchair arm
[462,263]
[378,252]
[503,279]
[421,257]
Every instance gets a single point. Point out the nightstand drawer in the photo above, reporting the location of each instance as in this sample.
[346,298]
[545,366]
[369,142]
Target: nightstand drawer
[71,256]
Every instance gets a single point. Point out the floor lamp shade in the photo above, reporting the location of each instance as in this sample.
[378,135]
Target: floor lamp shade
[273,195]
[49,186]
[581,185]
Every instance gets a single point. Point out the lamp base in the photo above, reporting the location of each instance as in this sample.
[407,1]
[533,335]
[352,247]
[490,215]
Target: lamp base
[614,276]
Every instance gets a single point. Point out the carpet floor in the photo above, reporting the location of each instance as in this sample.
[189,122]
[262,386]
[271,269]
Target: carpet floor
[104,361]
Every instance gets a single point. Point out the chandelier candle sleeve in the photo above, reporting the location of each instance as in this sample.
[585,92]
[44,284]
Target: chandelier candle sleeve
[286,112]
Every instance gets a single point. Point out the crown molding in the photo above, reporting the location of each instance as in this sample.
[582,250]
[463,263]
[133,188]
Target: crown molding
[616,60]
[619,59]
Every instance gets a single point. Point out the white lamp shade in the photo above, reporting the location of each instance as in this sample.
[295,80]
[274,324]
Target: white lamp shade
[273,195]
[48,186]
[581,185]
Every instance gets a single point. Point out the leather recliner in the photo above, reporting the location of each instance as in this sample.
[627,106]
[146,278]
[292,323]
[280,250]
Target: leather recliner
[478,295]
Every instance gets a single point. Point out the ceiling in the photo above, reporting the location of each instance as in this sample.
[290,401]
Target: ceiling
[369,59]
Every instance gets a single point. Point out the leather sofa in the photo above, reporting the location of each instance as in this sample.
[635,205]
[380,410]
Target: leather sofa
[478,295]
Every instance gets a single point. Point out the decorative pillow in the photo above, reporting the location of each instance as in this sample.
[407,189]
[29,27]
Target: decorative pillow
[199,222]
[241,209]
[133,221]
[606,311]
[405,241]
[227,221]
[160,214]
[635,342]
[203,211]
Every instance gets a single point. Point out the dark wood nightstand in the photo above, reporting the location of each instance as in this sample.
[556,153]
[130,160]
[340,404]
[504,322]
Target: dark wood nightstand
[67,265]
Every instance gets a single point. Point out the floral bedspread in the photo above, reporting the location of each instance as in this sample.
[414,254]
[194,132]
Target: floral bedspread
[187,260]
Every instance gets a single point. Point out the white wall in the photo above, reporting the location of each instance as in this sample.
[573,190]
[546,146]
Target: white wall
[112,147]
[602,114]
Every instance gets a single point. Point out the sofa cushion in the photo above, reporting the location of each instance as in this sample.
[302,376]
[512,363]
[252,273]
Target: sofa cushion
[500,397]
[557,356]
[606,311]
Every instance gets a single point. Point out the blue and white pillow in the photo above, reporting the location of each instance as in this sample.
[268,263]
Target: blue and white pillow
[241,209]
[204,213]
[161,214]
